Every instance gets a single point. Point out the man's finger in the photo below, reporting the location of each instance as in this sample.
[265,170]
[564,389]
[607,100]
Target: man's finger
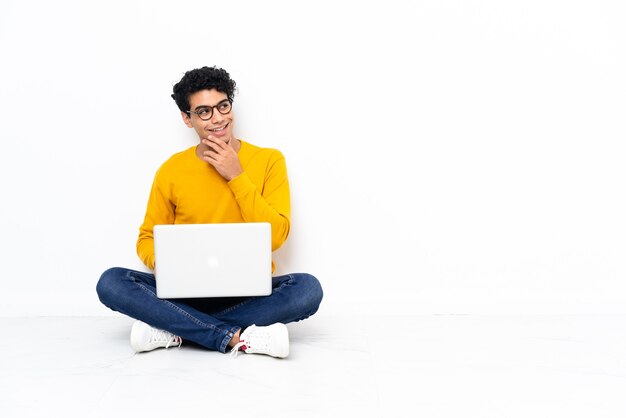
[211,154]
[217,141]
[212,145]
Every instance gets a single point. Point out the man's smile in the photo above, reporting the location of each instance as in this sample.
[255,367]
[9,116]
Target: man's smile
[220,128]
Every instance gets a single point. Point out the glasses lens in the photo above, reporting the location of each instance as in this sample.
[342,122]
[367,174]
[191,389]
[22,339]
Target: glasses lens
[205,114]
[224,107]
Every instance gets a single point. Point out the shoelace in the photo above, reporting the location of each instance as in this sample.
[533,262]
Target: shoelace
[256,341]
[235,351]
[159,335]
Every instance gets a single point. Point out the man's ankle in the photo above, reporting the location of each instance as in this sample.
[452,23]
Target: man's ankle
[235,340]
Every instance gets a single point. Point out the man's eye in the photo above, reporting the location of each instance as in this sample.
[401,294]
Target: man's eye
[203,112]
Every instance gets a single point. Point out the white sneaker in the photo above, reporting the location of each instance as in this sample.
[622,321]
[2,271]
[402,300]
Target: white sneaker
[272,340]
[143,337]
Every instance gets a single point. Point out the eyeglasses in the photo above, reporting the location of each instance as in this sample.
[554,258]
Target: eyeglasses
[206,112]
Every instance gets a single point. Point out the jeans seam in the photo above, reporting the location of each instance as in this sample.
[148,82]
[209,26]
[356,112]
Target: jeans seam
[231,308]
[229,336]
[181,311]
[240,304]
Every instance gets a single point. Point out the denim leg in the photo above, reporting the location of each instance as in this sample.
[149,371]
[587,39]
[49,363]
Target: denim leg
[294,297]
[133,293]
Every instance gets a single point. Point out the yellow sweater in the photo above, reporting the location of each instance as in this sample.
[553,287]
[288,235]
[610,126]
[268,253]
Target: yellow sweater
[187,190]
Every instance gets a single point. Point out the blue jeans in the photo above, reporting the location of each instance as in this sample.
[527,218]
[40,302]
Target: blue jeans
[210,322]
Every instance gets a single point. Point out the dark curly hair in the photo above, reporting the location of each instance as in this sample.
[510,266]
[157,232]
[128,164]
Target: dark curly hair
[205,78]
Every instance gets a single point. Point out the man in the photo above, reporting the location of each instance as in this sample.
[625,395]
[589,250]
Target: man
[223,179]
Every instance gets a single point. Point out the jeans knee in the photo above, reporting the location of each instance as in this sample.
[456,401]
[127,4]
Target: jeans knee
[312,292]
[109,284]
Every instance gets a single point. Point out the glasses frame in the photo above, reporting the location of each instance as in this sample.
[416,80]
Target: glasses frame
[210,109]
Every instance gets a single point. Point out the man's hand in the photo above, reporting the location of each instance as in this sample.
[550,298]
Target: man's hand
[222,157]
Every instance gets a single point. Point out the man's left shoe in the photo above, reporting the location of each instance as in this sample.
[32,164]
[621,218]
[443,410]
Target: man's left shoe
[272,340]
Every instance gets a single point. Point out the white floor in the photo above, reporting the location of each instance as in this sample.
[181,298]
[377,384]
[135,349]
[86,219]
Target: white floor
[421,366]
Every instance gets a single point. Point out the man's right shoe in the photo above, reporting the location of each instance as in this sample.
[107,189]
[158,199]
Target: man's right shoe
[143,337]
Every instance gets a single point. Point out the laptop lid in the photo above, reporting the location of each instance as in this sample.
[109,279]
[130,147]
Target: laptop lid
[213,260]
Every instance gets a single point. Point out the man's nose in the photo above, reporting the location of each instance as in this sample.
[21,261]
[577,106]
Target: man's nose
[216,117]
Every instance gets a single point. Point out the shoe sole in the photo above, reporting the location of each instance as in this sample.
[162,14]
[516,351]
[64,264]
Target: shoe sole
[283,336]
[137,336]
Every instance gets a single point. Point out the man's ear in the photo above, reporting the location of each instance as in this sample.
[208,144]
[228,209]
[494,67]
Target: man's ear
[186,119]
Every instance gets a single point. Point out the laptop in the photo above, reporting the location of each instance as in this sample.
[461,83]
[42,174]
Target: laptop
[213,260]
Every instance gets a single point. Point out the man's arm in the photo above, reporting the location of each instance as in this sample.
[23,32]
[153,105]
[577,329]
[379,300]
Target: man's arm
[160,211]
[269,202]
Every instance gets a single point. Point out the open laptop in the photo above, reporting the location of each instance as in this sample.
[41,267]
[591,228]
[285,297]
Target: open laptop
[213,260]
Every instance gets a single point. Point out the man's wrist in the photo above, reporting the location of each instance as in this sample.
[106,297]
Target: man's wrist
[231,178]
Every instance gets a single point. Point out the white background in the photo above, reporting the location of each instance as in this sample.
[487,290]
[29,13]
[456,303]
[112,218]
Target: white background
[444,156]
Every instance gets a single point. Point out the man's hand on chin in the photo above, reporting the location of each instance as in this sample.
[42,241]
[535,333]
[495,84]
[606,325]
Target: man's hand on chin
[222,156]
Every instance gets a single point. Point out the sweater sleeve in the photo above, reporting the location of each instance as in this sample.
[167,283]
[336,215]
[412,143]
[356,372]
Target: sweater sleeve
[160,211]
[267,202]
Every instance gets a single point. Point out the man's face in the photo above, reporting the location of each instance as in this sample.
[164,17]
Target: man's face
[218,125]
